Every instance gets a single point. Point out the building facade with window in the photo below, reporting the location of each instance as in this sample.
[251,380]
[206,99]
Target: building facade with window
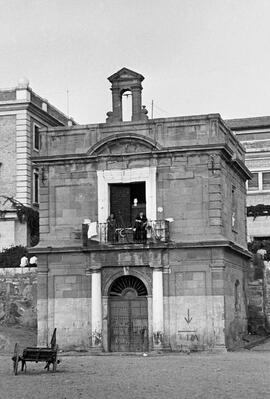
[22,114]
[143,233]
[254,134]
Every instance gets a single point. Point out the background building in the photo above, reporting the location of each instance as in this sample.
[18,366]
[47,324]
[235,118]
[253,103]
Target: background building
[254,134]
[22,114]
[181,285]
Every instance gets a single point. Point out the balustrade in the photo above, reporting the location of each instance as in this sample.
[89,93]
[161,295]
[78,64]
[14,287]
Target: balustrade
[155,231]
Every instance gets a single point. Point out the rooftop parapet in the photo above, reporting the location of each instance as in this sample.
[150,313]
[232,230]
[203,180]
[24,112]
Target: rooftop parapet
[23,93]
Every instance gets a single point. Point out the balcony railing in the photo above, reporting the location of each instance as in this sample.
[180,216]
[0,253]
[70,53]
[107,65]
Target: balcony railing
[156,231]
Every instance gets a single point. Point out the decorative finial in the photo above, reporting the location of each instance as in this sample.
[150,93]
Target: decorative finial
[23,83]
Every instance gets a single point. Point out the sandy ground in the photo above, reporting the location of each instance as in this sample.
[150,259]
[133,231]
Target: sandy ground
[244,374]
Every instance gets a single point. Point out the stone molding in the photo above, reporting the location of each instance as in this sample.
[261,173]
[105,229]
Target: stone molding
[106,177]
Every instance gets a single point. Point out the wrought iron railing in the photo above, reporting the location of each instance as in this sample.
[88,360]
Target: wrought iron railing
[155,231]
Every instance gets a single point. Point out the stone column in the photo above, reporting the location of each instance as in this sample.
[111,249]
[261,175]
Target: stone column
[136,103]
[42,301]
[116,104]
[217,314]
[96,309]
[158,322]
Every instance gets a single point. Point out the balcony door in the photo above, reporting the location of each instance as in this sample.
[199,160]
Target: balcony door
[126,201]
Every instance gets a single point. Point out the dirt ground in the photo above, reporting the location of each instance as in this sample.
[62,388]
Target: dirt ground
[243,374]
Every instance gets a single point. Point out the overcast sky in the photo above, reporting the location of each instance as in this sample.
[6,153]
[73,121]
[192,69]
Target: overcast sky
[197,56]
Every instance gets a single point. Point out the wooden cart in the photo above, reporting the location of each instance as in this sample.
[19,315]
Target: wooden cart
[35,354]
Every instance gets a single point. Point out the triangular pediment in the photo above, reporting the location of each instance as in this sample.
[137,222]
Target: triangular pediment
[125,74]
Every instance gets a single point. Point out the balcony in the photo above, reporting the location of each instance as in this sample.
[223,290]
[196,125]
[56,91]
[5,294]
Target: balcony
[156,231]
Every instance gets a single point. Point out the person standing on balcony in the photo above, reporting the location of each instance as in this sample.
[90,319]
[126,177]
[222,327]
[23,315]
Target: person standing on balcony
[140,227]
[262,251]
[111,228]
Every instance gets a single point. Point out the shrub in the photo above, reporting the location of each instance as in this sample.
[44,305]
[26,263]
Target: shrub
[11,257]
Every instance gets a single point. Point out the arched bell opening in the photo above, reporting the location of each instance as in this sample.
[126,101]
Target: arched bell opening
[128,315]
[126,105]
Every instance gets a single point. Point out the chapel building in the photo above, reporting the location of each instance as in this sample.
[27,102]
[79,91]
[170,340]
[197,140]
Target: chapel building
[142,231]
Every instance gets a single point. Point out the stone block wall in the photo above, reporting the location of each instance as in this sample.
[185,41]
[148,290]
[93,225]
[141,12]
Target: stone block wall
[236,325]
[199,304]
[202,309]
[234,205]
[186,191]
[256,314]
[167,132]
[18,297]
[64,301]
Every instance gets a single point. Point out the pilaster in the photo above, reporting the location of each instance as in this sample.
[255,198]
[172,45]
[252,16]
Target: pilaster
[96,309]
[23,158]
[158,312]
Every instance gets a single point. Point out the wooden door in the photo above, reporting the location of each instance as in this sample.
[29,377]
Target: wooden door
[128,324]
[120,203]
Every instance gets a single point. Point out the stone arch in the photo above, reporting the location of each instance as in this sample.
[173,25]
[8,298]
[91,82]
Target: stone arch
[126,99]
[145,143]
[115,276]
[127,283]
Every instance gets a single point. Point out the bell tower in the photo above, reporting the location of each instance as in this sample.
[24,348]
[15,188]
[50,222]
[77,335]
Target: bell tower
[123,81]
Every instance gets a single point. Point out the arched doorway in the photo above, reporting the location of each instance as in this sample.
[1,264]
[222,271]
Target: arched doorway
[128,328]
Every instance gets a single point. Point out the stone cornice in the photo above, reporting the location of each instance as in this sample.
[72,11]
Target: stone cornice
[19,106]
[164,151]
[83,157]
[227,244]
[117,126]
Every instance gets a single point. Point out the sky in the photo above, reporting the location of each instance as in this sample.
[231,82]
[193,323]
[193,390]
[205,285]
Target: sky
[197,56]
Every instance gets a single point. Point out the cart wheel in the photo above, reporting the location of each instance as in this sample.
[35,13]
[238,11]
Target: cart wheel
[16,359]
[23,366]
[54,365]
[55,361]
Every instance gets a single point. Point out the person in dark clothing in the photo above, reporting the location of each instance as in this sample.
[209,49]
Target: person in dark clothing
[140,227]
[111,228]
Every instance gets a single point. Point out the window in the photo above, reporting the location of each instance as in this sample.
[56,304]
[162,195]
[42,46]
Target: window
[253,184]
[36,136]
[35,186]
[266,181]
[260,181]
[261,239]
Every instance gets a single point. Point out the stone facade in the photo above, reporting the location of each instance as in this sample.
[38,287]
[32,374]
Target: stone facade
[21,112]
[190,283]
